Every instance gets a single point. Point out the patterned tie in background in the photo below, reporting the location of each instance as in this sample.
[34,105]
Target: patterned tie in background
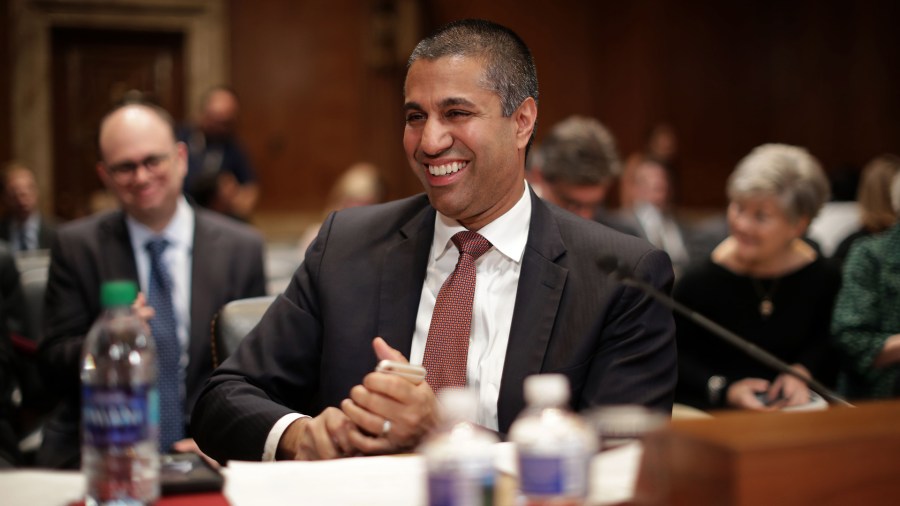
[168,349]
[447,347]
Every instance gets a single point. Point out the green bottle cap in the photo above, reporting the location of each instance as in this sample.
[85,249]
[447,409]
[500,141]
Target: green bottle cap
[118,293]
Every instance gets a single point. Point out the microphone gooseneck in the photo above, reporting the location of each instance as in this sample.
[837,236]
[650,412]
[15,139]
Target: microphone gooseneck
[621,273]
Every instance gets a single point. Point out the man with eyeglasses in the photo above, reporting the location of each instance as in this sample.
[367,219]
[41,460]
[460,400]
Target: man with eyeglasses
[199,260]
[576,165]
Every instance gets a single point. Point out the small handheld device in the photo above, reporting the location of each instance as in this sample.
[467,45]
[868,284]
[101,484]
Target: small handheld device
[763,398]
[413,373]
[188,473]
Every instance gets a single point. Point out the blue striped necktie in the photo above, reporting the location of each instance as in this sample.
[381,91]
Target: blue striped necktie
[168,349]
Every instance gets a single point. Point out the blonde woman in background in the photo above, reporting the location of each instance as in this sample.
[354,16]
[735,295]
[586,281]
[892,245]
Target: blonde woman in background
[360,185]
[874,198]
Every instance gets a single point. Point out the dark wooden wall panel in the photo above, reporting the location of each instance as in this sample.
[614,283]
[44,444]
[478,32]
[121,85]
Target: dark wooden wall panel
[727,75]
[5,72]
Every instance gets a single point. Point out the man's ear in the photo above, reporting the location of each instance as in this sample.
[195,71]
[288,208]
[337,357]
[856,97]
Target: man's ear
[181,159]
[526,117]
[103,174]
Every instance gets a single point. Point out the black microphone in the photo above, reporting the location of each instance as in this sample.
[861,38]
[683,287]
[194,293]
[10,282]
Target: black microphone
[619,271]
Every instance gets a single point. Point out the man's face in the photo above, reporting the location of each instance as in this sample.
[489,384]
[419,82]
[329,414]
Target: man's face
[652,185]
[469,158]
[581,199]
[219,115]
[142,164]
[21,193]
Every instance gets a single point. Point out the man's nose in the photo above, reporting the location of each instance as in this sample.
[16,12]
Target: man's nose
[436,137]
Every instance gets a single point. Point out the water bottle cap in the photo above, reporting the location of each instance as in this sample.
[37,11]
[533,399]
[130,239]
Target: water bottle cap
[118,293]
[547,389]
[458,404]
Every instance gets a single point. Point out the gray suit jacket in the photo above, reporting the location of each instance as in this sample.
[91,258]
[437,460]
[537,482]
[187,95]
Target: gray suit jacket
[227,264]
[363,277]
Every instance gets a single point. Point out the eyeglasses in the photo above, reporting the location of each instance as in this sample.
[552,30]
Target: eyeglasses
[125,171]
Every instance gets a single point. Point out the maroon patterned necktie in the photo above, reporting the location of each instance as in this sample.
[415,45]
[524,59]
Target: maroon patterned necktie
[447,347]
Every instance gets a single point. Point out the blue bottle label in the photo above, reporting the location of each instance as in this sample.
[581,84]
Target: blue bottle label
[553,475]
[449,488]
[118,416]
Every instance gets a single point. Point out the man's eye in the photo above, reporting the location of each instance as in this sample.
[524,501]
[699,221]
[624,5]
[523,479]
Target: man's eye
[414,117]
[152,161]
[458,114]
[124,167]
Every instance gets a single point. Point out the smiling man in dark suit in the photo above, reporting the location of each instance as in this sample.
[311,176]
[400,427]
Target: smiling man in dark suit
[301,384]
[210,260]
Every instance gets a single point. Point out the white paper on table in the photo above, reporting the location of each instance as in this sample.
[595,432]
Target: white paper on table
[614,474]
[370,481]
[396,480]
[52,488]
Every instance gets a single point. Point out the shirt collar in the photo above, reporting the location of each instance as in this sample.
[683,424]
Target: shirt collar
[508,233]
[179,232]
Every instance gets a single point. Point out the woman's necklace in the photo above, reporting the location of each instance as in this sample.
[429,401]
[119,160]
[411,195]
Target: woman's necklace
[766,306]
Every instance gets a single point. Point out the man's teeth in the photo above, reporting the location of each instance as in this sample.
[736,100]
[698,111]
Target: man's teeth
[443,170]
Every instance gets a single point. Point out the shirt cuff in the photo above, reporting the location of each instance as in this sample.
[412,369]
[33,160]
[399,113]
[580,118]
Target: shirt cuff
[275,434]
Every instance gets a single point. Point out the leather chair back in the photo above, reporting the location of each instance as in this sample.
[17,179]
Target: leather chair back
[234,321]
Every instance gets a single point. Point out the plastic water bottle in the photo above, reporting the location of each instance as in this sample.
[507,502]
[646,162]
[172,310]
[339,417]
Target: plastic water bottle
[120,404]
[459,456]
[554,445]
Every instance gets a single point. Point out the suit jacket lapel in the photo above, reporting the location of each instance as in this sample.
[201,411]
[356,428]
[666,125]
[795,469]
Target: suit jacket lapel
[118,261]
[208,275]
[541,283]
[400,291]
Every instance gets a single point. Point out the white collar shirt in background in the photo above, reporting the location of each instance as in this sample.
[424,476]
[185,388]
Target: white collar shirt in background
[31,226]
[177,258]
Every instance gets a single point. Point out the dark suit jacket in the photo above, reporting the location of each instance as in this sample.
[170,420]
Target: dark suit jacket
[363,277]
[227,264]
[46,231]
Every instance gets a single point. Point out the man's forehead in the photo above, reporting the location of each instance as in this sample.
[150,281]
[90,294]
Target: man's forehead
[470,68]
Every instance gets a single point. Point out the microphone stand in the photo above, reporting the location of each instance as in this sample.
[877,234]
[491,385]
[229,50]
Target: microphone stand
[747,347]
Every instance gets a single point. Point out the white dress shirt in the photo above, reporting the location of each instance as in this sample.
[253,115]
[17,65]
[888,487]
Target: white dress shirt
[496,284]
[177,258]
[27,230]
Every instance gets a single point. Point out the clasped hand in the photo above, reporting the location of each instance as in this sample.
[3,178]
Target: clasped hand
[761,395]
[382,401]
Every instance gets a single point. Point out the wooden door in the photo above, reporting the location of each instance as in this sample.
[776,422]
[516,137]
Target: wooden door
[93,70]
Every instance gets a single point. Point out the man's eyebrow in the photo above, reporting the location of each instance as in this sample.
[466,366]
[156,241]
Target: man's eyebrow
[447,102]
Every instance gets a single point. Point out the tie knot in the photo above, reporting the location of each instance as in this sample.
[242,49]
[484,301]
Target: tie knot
[471,242]
[156,247]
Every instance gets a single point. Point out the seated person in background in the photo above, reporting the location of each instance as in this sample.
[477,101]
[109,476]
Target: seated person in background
[577,165]
[10,364]
[874,197]
[840,216]
[660,146]
[763,283]
[22,225]
[540,302]
[187,261]
[650,214]
[220,176]
[359,185]
[866,320]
